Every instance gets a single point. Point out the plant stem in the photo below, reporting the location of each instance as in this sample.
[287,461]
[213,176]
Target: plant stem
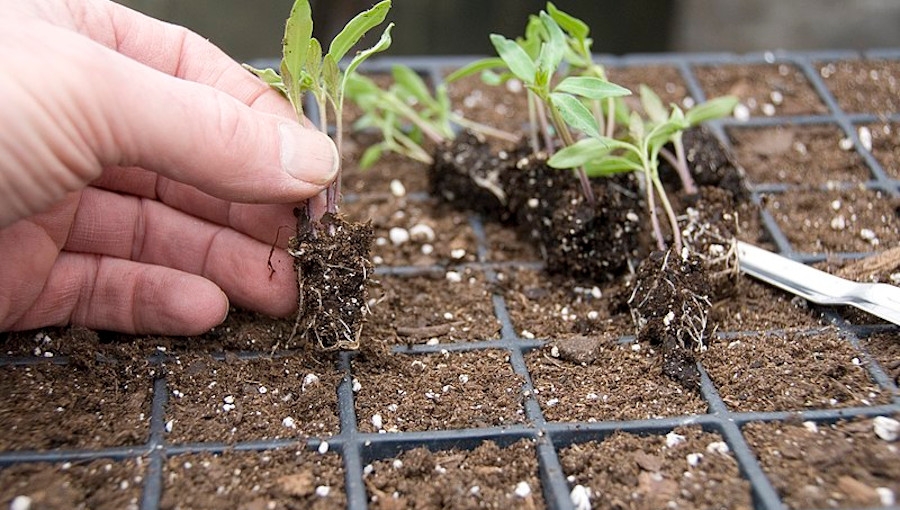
[687,182]
[673,221]
[533,122]
[485,129]
[560,125]
[542,121]
[654,218]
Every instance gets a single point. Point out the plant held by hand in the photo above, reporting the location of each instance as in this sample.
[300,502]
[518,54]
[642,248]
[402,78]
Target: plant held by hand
[331,255]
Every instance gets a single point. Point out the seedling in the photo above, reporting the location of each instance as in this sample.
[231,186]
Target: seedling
[406,114]
[304,68]
[602,155]
[535,60]
[331,255]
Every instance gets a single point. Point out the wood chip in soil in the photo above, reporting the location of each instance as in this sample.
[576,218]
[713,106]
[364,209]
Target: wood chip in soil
[416,233]
[808,156]
[283,479]
[49,406]
[687,468]
[863,86]
[593,380]
[843,465]
[765,89]
[486,477]
[432,307]
[245,400]
[790,372]
[852,221]
[450,390]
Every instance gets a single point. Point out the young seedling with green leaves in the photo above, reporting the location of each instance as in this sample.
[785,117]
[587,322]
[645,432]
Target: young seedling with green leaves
[331,255]
[602,155]
[304,68]
[406,114]
[535,60]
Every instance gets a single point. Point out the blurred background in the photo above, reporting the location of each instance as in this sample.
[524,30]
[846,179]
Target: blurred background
[250,29]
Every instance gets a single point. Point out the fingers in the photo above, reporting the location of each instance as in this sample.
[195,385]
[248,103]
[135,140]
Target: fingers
[153,233]
[120,295]
[176,51]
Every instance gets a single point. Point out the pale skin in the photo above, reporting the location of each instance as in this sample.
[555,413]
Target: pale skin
[143,174]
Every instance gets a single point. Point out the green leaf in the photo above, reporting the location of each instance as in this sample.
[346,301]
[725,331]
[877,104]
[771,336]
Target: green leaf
[371,155]
[491,78]
[580,153]
[554,48]
[575,113]
[591,87]
[534,36]
[610,165]
[297,32]
[662,133]
[269,77]
[478,66]
[413,84]
[712,109]
[518,62]
[636,127]
[653,105]
[357,28]
[314,59]
[383,43]
[574,26]
[331,74]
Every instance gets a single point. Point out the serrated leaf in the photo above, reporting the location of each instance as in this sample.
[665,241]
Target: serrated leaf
[269,76]
[591,87]
[712,109]
[518,62]
[475,67]
[574,26]
[534,36]
[653,105]
[579,153]
[575,113]
[356,28]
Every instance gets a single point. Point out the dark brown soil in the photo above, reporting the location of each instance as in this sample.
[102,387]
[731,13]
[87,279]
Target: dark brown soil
[591,380]
[487,476]
[862,86]
[444,391]
[240,400]
[826,466]
[851,220]
[790,372]
[100,483]
[807,156]
[688,468]
[285,479]
[765,89]
[409,310]
[666,82]
[885,347]
[886,146]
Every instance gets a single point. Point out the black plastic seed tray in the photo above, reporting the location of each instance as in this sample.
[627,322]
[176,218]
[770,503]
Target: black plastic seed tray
[358,449]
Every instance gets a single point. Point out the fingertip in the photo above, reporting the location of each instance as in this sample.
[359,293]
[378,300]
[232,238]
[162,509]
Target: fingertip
[188,305]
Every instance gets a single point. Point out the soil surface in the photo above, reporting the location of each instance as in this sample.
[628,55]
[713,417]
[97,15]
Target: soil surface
[686,468]
[764,89]
[487,476]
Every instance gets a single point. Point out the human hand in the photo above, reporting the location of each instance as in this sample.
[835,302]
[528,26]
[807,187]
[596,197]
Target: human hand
[139,166]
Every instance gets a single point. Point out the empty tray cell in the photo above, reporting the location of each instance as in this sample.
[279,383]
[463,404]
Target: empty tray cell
[864,86]
[766,90]
[883,141]
[665,81]
[450,390]
[790,372]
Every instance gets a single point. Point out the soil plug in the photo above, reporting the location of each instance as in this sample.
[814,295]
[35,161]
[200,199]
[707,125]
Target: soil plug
[331,255]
